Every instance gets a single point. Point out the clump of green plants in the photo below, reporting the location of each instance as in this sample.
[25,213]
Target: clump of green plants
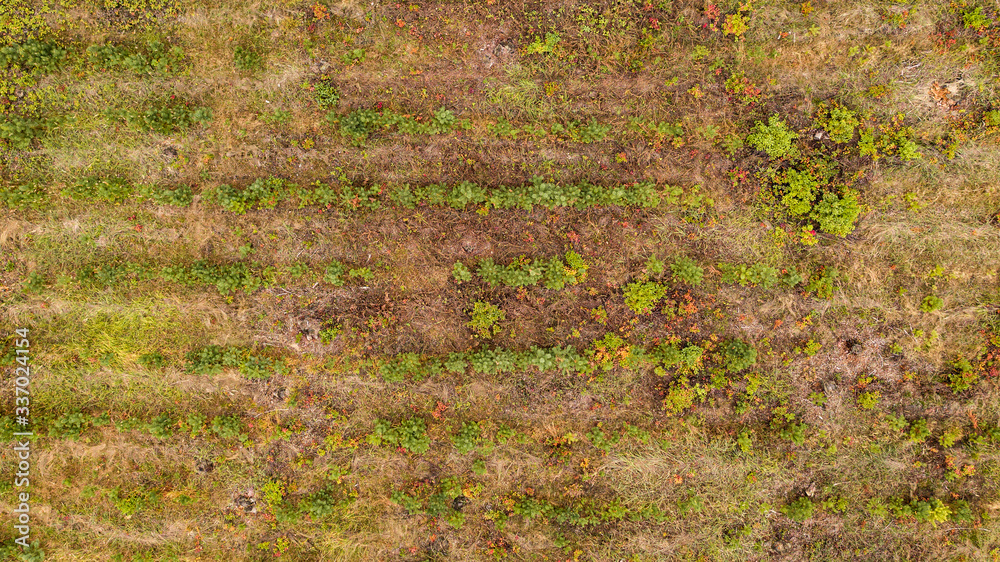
[325,94]
[821,282]
[25,196]
[361,123]
[643,296]
[467,438]
[228,427]
[555,273]
[962,376]
[69,425]
[166,117]
[838,121]
[263,193]
[33,55]
[774,138]
[486,318]
[931,303]
[162,426]
[225,277]
[932,511]
[212,359]
[410,434]
[152,58]
[799,510]
[461,273]
[836,214]
[114,189]
[182,196]
[738,355]
[20,131]
[247,58]
[687,270]
[869,400]
[758,274]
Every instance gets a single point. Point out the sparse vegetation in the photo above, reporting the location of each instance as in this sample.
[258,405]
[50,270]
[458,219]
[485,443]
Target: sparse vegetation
[500,281]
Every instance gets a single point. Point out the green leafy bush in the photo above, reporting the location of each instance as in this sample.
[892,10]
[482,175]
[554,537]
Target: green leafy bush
[753,275]
[20,131]
[799,510]
[167,117]
[410,434]
[467,438]
[182,196]
[69,425]
[25,196]
[836,214]
[838,121]
[485,319]
[774,138]
[247,58]
[263,193]
[33,55]
[869,400]
[643,296]
[555,272]
[113,189]
[161,426]
[226,277]
[821,282]
[687,270]
[738,355]
[228,427]
[931,303]
[153,58]
[963,375]
[461,273]
[334,273]
[326,95]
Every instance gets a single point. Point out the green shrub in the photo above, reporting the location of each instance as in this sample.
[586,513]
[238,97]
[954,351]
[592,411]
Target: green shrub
[263,193]
[33,55]
[976,19]
[228,427]
[182,196]
[20,131]
[410,434]
[326,95]
[467,438]
[247,59]
[167,117]
[931,303]
[461,273]
[919,431]
[334,273]
[835,214]
[358,124]
[799,510]
[838,121]
[25,196]
[69,425]
[153,58]
[738,355]
[774,138]
[643,296]
[107,189]
[757,274]
[963,375]
[485,319]
[869,400]
[687,270]
[161,426]
[821,282]
[801,189]
[794,432]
